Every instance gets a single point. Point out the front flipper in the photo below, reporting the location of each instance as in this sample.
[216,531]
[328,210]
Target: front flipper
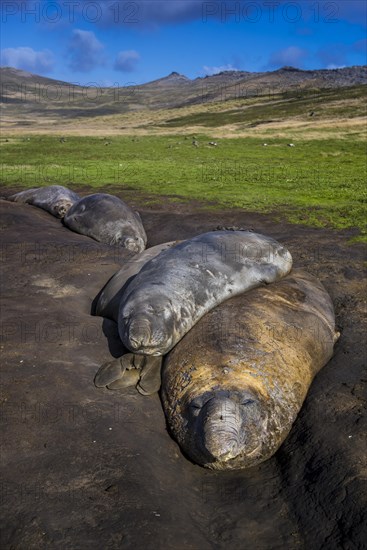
[109,372]
[129,378]
[131,370]
[150,379]
[119,373]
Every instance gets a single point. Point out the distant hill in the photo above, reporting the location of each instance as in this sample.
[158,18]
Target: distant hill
[175,90]
[28,100]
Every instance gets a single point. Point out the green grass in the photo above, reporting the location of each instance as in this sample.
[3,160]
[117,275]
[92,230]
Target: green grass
[317,182]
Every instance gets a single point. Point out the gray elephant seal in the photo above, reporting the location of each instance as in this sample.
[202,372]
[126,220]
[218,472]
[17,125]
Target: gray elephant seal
[109,220]
[130,369]
[175,289]
[109,298]
[56,199]
[233,386]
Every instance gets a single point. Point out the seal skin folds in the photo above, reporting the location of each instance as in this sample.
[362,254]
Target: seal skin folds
[107,219]
[233,386]
[56,199]
[176,288]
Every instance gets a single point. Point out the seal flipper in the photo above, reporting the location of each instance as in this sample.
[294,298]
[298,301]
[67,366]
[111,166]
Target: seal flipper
[109,372]
[131,370]
[115,374]
[129,378]
[150,379]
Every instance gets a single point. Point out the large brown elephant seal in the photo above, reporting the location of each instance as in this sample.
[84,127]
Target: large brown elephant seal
[233,386]
[109,220]
[173,290]
[56,199]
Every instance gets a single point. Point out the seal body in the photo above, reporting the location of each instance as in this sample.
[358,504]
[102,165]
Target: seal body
[109,220]
[56,199]
[109,298]
[233,386]
[176,288]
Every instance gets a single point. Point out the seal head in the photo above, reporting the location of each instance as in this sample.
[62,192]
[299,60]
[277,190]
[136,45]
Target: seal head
[225,424]
[60,208]
[56,199]
[147,325]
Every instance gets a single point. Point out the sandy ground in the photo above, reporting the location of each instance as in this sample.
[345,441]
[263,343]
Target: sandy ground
[88,468]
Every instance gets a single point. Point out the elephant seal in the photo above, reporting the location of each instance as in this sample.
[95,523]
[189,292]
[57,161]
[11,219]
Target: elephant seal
[108,301]
[56,199]
[176,288]
[109,220]
[233,386]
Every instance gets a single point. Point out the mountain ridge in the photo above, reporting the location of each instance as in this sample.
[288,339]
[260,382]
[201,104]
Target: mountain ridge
[359,71]
[28,99]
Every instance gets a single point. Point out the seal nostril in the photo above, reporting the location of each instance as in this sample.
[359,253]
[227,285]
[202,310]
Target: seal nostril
[139,334]
[134,343]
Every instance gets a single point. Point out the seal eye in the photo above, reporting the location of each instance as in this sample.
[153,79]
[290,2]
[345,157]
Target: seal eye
[248,402]
[126,316]
[195,411]
[195,407]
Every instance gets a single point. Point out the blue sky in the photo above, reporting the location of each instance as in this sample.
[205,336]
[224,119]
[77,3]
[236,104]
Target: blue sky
[118,41]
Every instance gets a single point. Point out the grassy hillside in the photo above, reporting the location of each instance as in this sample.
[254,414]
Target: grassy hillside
[325,104]
[155,137]
[317,182]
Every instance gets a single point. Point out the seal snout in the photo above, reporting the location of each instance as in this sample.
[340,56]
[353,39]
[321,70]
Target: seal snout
[62,208]
[139,334]
[134,244]
[223,450]
[221,428]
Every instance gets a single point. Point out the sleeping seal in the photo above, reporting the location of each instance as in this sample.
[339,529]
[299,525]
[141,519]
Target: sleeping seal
[109,220]
[128,370]
[176,288]
[108,301]
[233,386]
[56,199]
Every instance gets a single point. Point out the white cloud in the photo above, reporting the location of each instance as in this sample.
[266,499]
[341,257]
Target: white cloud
[85,51]
[215,70]
[28,59]
[333,66]
[126,61]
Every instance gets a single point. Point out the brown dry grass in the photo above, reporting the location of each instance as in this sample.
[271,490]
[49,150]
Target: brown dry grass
[141,124]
